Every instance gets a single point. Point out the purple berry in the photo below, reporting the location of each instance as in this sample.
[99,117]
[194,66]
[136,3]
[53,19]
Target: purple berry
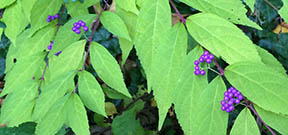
[85,28]
[52,17]
[75,24]
[78,31]
[201,59]
[226,98]
[74,29]
[206,52]
[226,105]
[48,20]
[223,108]
[208,61]
[240,97]
[234,91]
[205,57]
[52,42]
[211,56]
[83,24]
[226,93]
[196,62]
[196,72]
[228,110]
[49,16]
[202,72]
[197,68]
[237,101]
[49,47]
[230,102]
[223,102]
[80,21]
[56,16]
[57,54]
[230,95]
[78,26]
[231,108]
[230,90]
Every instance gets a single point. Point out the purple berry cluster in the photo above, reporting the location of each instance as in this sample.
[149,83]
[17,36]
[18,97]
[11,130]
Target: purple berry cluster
[50,46]
[231,96]
[206,56]
[77,26]
[50,18]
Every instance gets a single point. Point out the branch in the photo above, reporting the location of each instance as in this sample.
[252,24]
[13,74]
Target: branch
[219,68]
[178,13]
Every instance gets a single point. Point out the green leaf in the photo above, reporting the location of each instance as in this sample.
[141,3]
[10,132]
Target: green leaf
[91,93]
[210,119]
[5,3]
[15,21]
[27,6]
[39,15]
[127,5]
[23,129]
[69,60]
[222,38]
[153,22]
[250,3]
[276,121]
[54,119]
[192,85]
[107,68]
[76,116]
[78,8]
[111,93]
[245,124]
[114,24]
[166,67]
[232,10]
[18,106]
[65,36]
[51,93]
[262,85]
[284,10]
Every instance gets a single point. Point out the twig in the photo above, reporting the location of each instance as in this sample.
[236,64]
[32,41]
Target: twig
[271,5]
[219,68]
[178,13]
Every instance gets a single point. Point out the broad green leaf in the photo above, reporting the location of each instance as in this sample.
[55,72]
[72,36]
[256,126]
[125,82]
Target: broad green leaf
[39,15]
[25,69]
[154,21]
[232,10]
[276,121]
[222,38]
[15,21]
[27,6]
[107,68]
[210,119]
[284,10]
[51,93]
[130,20]
[69,60]
[111,93]
[91,93]
[167,66]
[127,5]
[65,36]
[23,129]
[76,116]
[245,124]
[18,106]
[270,61]
[250,3]
[5,3]
[262,85]
[78,8]
[54,119]
[187,92]
[113,23]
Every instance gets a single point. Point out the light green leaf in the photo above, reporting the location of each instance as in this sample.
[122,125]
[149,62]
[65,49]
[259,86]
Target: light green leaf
[78,8]
[153,22]
[276,121]
[65,36]
[27,6]
[262,85]
[284,10]
[245,124]
[39,15]
[54,119]
[17,106]
[107,68]
[51,93]
[15,21]
[111,93]
[187,92]
[69,60]
[222,38]
[91,93]
[127,5]
[232,10]
[167,66]
[139,3]
[250,3]
[210,119]
[113,23]
[76,116]
[5,3]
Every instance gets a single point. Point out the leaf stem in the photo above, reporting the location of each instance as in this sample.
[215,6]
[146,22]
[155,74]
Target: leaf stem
[219,68]
[178,13]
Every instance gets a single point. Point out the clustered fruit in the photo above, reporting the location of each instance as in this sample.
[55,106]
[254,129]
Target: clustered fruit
[50,46]
[77,26]
[50,18]
[206,56]
[231,96]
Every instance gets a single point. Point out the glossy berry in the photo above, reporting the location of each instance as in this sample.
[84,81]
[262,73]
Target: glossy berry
[78,31]
[82,24]
[202,72]
[223,102]
[196,62]
[74,29]
[78,26]
[208,61]
[201,60]
[56,16]
[237,101]
[85,28]
[53,18]
[223,108]
[206,52]
[211,56]
[226,98]
[196,72]
[231,96]
[226,93]
[48,20]
[197,68]
[58,53]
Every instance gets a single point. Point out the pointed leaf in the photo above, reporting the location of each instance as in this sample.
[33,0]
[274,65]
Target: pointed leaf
[284,10]
[245,124]
[5,3]
[27,6]
[222,38]
[107,68]
[78,8]
[250,3]
[127,5]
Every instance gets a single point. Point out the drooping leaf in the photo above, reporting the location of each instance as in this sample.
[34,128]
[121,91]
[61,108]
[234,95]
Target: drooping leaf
[167,66]
[78,8]
[154,21]
[245,124]
[91,93]
[15,21]
[111,93]
[107,68]
[65,36]
[232,10]
[262,85]
[127,5]
[27,6]
[5,3]
[39,15]
[113,23]
[284,10]
[54,119]
[76,115]
[192,85]
[276,121]
[222,38]
[18,105]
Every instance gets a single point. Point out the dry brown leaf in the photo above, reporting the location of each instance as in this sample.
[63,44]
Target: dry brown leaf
[283,28]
